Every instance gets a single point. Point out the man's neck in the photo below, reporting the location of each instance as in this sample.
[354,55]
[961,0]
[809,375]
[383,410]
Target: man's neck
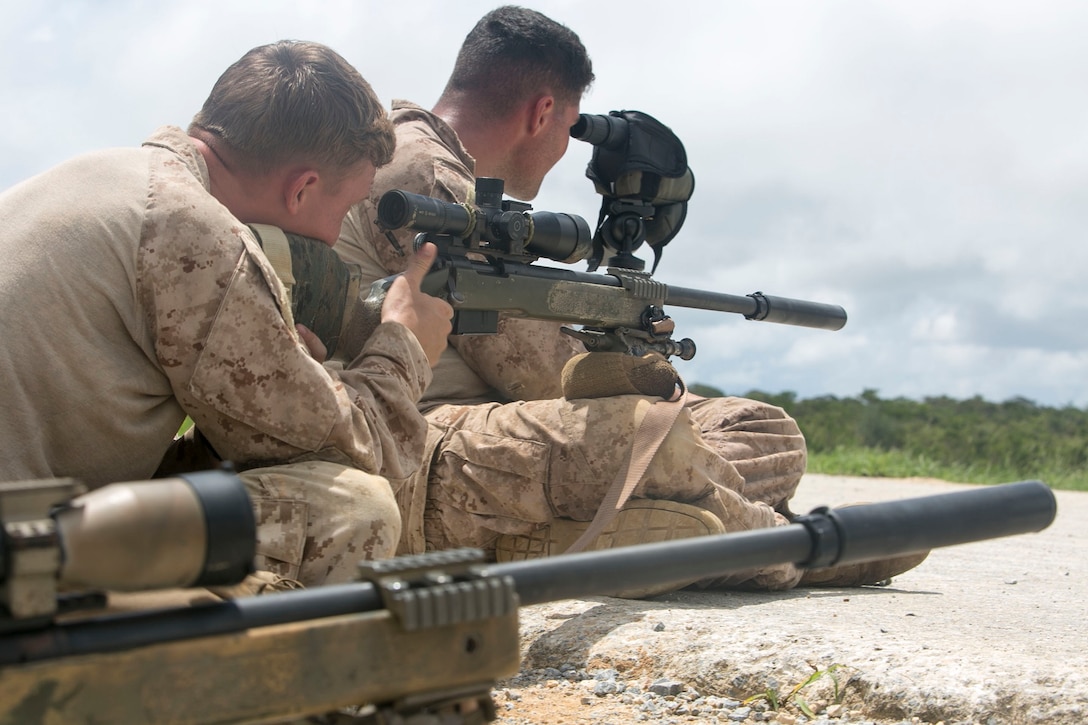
[229,184]
[487,139]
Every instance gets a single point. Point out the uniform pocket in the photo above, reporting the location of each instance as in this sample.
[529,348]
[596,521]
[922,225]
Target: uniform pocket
[495,475]
[281,535]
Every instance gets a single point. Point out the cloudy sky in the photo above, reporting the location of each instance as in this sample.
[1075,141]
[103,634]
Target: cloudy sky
[923,164]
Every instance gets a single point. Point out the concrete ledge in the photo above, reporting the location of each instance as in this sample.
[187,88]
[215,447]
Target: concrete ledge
[989,632]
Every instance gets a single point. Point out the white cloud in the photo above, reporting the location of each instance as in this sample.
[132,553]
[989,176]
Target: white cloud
[938,328]
[923,164]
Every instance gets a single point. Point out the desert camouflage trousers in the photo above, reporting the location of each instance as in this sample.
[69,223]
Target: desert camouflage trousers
[316,520]
[509,468]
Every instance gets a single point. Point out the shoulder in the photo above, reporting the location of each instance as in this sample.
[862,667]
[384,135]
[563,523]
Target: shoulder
[429,159]
[420,168]
[177,145]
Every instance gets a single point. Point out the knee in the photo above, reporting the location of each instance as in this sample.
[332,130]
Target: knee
[316,520]
[368,507]
[355,518]
[779,419]
[744,415]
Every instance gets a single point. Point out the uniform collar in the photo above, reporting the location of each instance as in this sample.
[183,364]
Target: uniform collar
[176,141]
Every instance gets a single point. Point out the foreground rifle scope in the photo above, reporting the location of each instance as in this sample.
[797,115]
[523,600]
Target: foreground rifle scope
[196,529]
[502,225]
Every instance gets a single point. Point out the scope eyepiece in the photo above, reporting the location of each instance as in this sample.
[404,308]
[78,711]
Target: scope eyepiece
[398,209]
[599,130]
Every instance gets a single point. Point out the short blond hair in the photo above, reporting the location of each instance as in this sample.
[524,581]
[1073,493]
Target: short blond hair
[296,102]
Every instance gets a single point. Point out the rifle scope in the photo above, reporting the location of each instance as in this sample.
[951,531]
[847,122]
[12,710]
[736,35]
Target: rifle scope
[196,529]
[504,226]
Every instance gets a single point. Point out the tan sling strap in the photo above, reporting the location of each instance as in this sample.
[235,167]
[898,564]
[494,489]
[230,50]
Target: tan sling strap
[278,251]
[650,435]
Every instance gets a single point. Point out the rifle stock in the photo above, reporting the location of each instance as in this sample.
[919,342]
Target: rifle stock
[426,634]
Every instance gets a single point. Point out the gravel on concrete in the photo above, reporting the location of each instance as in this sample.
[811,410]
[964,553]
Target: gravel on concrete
[989,632]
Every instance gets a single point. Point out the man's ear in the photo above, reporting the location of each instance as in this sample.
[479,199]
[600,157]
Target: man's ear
[541,114]
[298,184]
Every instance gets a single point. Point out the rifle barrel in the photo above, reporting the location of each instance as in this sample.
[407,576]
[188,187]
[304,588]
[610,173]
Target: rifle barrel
[765,308]
[846,535]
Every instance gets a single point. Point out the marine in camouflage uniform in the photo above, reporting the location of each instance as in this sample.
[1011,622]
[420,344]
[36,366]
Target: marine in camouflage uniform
[514,465]
[131,297]
[507,453]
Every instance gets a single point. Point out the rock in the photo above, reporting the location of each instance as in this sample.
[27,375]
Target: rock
[664,687]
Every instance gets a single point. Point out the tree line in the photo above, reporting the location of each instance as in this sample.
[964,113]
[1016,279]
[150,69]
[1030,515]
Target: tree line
[971,440]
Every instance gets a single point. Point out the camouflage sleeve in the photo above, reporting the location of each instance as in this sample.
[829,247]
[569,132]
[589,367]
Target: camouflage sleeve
[420,168]
[238,369]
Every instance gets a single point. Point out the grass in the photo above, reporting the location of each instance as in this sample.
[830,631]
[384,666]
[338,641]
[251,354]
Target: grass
[899,464]
[777,701]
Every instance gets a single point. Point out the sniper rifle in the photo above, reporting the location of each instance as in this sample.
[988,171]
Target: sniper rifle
[485,265]
[488,252]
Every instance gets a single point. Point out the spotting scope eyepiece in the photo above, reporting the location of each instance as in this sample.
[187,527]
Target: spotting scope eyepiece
[600,130]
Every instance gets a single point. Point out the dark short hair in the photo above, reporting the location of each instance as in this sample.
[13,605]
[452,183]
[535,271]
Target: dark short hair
[513,53]
[295,101]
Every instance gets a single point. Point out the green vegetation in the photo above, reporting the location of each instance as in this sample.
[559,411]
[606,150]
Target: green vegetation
[972,441]
[777,702]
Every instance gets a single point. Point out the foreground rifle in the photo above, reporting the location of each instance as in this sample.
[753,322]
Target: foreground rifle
[420,642]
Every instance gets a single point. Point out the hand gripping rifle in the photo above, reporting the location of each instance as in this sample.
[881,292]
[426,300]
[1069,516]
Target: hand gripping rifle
[420,641]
